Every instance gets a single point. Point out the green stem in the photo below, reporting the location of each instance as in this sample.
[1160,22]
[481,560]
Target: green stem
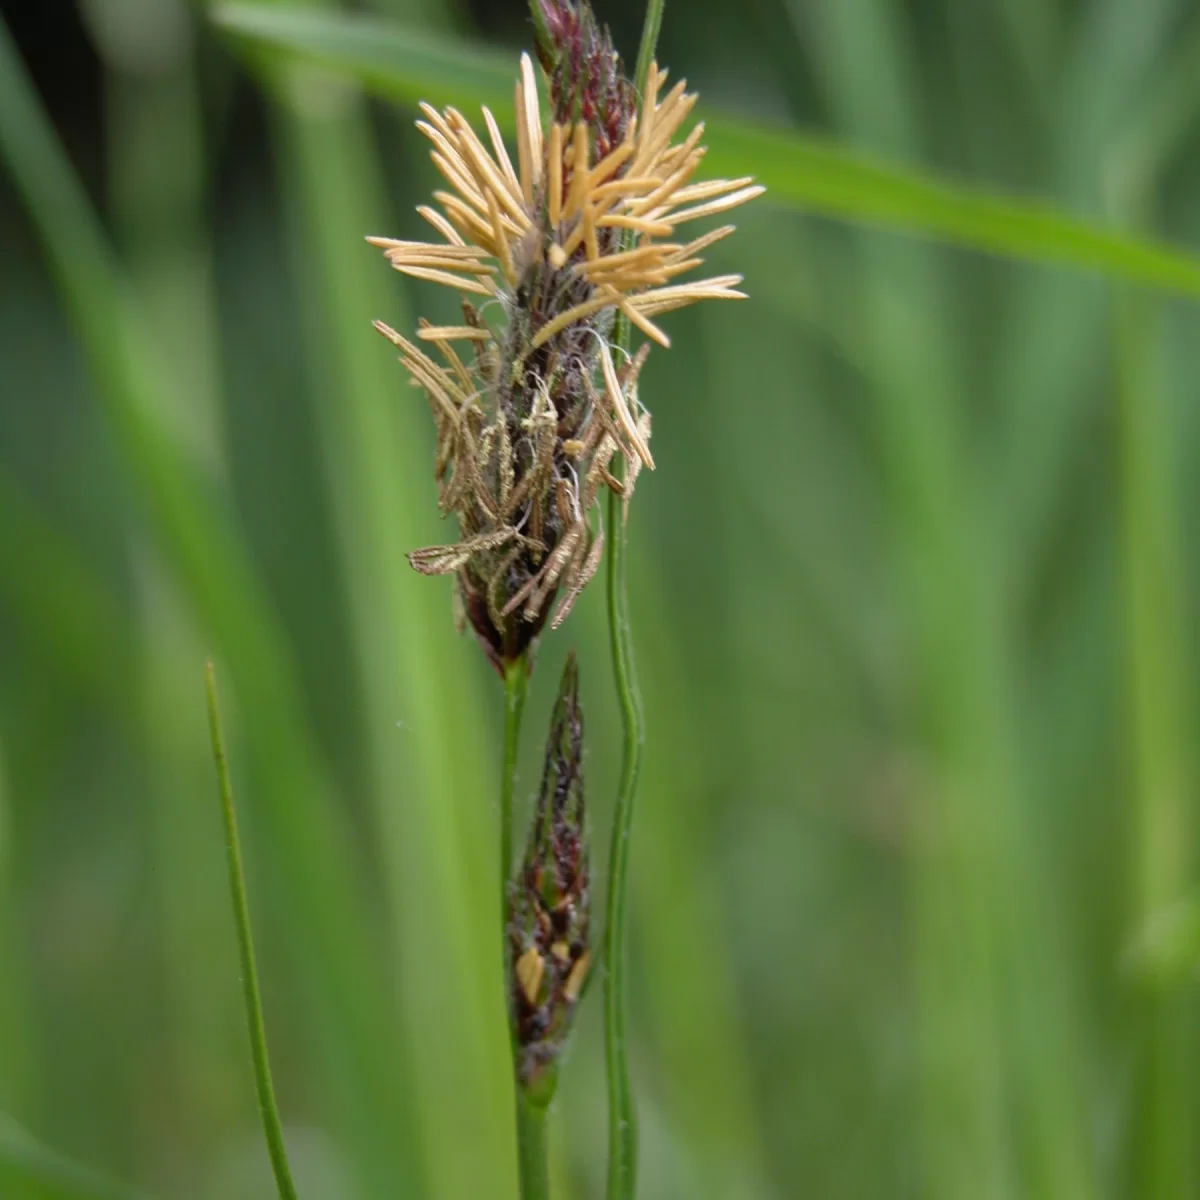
[650,28]
[622,1118]
[531,1118]
[531,1148]
[272,1126]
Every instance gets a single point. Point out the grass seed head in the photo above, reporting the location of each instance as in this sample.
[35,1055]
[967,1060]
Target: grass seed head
[531,401]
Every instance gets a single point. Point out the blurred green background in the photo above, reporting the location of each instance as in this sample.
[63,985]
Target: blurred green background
[915,591]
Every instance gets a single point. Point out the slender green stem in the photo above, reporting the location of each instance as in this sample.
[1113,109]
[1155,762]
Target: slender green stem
[531,1117]
[622,1118]
[272,1126]
[531,1148]
[650,28]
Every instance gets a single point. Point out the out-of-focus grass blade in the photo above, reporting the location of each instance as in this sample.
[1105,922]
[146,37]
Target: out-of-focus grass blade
[404,63]
[1162,806]
[978,893]
[1045,378]
[29,1168]
[1167,948]
[428,780]
[824,177]
[1158,127]
[690,974]
[15,1051]
[335,956]
[61,606]
[805,172]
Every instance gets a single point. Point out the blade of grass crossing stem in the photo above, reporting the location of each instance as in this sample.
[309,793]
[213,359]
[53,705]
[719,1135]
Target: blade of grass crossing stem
[426,778]
[391,59]
[268,1108]
[622,1115]
[332,949]
[800,171]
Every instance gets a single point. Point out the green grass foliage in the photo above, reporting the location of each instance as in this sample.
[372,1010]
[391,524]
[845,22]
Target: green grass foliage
[914,593]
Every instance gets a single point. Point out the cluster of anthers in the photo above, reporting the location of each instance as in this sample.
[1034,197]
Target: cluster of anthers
[531,409]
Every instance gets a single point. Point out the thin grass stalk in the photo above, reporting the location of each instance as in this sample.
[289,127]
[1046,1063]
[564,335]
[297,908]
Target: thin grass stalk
[622,1116]
[272,1125]
[532,1144]
[649,43]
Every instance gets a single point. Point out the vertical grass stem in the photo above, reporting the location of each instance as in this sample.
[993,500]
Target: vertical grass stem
[531,1118]
[622,1117]
[650,28]
[272,1126]
[531,1148]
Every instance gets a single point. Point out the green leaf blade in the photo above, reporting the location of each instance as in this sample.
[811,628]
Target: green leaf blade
[800,171]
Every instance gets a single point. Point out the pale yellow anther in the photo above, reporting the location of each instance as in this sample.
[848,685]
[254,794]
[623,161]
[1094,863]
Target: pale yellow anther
[530,969]
[575,980]
[620,409]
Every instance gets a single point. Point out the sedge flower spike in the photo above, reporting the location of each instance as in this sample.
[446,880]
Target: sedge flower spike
[531,400]
[549,902]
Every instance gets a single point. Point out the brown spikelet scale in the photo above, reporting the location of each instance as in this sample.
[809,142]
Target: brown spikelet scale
[530,400]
